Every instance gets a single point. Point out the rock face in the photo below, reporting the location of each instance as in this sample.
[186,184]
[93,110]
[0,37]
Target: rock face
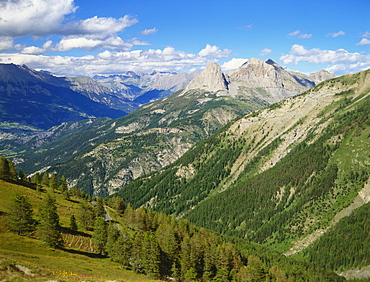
[211,79]
[321,76]
[256,79]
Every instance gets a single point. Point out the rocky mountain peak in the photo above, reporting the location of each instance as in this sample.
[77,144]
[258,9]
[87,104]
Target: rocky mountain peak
[321,76]
[210,79]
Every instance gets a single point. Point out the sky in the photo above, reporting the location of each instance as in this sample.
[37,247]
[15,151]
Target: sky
[105,37]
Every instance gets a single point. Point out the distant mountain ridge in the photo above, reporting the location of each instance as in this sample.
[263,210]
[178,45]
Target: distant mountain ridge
[160,132]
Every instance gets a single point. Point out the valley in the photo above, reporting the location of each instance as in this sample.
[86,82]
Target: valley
[273,162]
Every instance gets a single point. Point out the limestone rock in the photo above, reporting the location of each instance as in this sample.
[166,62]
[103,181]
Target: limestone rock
[211,79]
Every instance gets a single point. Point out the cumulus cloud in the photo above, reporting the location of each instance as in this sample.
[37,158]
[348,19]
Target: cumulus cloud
[340,61]
[33,17]
[233,64]
[214,51]
[364,41]
[97,26]
[298,34]
[336,34]
[86,43]
[365,34]
[265,52]
[149,31]
[7,43]
[110,62]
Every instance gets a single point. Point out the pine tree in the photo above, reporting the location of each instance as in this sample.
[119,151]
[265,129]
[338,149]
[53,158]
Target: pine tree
[99,237]
[49,227]
[73,223]
[36,178]
[45,179]
[20,215]
[4,168]
[53,182]
[99,208]
[63,185]
[23,176]
[87,215]
[151,255]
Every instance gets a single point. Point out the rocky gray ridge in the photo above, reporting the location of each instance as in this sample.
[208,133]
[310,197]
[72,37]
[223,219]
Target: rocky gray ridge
[264,80]
[321,76]
[211,79]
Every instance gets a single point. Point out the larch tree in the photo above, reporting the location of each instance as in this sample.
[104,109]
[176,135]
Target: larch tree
[49,228]
[21,215]
[99,236]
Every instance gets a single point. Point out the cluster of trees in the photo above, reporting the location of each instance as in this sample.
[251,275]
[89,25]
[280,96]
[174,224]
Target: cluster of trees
[21,219]
[352,233]
[159,246]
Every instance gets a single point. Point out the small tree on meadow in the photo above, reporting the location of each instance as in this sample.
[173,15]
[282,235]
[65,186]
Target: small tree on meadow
[49,228]
[20,217]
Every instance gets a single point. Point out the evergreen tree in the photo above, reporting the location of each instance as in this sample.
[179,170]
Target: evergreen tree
[87,215]
[151,255]
[53,182]
[63,185]
[45,179]
[7,169]
[4,168]
[49,227]
[36,178]
[73,223]
[99,237]
[23,176]
[20,215]
[99,208]
[118,204]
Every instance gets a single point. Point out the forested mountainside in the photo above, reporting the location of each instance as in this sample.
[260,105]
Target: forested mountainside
[159,133]
[51,231]
[281,176]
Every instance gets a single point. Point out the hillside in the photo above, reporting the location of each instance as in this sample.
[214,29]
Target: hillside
[133,245]
[39,101]
[281,176]
[160,132]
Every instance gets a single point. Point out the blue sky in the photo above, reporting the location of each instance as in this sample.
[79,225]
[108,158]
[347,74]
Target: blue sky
[80,37]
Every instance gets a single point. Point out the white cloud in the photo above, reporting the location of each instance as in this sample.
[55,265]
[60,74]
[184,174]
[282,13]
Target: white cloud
[33,17]
[298,34]
[265,52]
[109,62]
[149,31]
[336,34]
[44,17]
[214,51]
[364,41]
[365,34]
[7,43]
[97,26]
[294,33]
[233,64]
[339,61]
[86,43]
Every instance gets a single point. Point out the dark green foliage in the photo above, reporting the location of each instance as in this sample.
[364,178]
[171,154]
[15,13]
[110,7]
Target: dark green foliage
[87,215]
[161,247]
[20,217]
[73,223]
[48,229]
[7,169]
[99,236]
[351,234]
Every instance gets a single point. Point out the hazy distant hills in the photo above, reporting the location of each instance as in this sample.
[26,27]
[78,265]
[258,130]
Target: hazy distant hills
[34,101]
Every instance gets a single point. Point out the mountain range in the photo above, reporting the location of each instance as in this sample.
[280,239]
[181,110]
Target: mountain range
[293,176]
[268,155]
[157,134]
